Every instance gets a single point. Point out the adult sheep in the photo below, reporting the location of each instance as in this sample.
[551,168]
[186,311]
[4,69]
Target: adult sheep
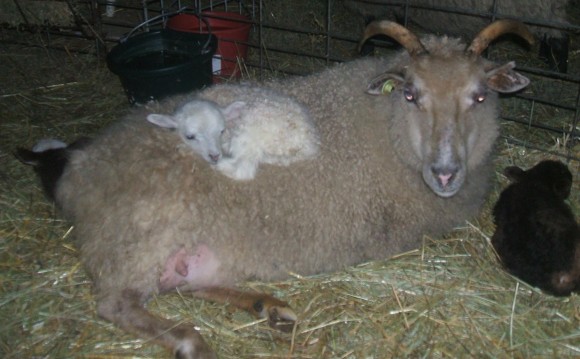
[554,43]
[149,217]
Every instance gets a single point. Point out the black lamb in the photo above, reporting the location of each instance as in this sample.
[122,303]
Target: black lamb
[537,237]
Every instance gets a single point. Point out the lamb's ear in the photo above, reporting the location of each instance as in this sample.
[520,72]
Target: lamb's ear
[165,121]
[504,79]
[384,84]
[234,110]
[514,173]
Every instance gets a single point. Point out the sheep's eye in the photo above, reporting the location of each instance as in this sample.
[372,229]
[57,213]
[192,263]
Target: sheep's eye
[190,137]
[479,98]
[409,95]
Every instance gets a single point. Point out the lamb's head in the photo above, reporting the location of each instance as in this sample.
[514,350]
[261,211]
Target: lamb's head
[553,176]
[200,124]
[444,101]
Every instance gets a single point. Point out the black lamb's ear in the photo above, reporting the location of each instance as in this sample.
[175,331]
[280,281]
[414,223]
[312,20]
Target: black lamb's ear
[514,173]
[384,84]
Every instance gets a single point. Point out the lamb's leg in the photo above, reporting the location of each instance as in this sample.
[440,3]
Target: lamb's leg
[126,311]
[238,168]
[261,305]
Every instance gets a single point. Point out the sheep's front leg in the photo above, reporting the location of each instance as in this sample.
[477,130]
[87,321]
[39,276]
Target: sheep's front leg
[126,311]
[261,305]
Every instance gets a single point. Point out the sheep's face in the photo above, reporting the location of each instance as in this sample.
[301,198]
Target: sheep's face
[202,132]
[446,109]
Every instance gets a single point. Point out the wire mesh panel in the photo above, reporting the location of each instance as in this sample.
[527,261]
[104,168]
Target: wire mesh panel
[303,36]
[121,16]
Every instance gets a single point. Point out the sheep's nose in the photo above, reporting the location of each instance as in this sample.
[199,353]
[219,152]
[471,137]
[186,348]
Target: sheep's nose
[444,178]
[444,175]
[214,157]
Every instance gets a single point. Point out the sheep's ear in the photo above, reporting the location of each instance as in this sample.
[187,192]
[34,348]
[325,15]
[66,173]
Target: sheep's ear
[514,173]
[384,84]
[504,79]
[234,110]
[165,121]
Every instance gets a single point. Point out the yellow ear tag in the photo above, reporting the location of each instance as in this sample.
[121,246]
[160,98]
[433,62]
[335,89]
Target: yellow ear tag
[388,87]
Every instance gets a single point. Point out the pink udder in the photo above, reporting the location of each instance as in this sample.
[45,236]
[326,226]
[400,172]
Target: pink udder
[197,270]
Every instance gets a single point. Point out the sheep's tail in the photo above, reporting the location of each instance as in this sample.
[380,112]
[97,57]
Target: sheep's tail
[126,310]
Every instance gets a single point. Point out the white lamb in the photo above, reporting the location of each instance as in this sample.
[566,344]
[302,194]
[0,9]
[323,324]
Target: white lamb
[269,129]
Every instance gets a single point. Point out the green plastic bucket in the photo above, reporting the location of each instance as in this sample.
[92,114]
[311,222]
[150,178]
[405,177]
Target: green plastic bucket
[162,63]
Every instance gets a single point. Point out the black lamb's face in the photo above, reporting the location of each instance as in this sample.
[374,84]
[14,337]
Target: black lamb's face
[554,175]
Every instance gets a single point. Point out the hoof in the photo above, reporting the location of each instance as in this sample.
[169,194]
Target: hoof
[278,313]
[282,319]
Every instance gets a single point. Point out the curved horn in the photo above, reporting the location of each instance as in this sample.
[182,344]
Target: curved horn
[496,29]
[397,32]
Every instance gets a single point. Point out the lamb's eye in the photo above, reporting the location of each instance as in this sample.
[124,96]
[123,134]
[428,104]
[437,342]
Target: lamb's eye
[190,137]
[409,95]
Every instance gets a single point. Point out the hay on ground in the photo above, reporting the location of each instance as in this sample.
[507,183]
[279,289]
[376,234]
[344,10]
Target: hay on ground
[448,298]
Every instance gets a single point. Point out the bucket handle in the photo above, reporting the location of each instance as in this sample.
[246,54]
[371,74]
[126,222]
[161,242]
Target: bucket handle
[205,48]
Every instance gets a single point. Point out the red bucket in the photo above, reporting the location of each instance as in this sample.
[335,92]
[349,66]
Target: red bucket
[232,34]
